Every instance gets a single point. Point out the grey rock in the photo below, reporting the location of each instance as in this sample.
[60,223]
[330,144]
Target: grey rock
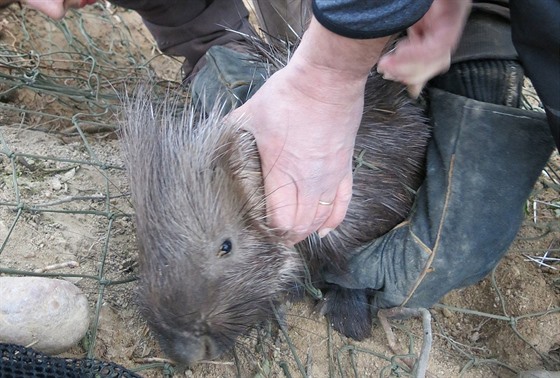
[49,315]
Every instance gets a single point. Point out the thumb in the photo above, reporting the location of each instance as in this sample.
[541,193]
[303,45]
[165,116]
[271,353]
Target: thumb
[414,90]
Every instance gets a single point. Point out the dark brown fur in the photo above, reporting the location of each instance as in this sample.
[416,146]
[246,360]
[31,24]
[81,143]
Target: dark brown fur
[196,184]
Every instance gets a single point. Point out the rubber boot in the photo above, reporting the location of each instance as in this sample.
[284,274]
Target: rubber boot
[229,76]
[482,163]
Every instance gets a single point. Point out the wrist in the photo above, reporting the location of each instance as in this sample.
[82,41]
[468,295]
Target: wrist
[331,68]
[347,58]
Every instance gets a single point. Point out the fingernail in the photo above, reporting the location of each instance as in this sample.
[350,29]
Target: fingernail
[386,76]
[324,232]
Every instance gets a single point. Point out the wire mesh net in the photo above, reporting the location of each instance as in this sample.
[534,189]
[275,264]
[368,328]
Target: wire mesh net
[65,212]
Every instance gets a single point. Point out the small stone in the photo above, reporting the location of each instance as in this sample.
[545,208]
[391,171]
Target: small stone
[69,175]
[50,315]
[56,184]
[474,337]
[446,312]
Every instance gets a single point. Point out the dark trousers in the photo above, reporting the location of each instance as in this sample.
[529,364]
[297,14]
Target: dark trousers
[536,36]
[188,28]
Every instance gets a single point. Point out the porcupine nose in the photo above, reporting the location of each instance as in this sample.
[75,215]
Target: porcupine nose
[190,349]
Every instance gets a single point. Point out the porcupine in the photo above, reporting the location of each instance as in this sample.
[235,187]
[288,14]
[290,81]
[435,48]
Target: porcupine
[210,266]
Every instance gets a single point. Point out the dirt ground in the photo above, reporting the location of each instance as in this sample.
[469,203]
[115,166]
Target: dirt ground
[64,198]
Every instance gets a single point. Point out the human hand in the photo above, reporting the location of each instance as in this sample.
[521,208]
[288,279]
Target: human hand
[305,119]
[55,9]
[426,50]
[306,145]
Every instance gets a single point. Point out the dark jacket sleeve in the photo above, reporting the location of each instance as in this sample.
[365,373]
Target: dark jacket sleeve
[368,18]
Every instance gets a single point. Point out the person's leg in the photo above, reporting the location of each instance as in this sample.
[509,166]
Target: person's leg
[485,66]
[536,35]
[190,28]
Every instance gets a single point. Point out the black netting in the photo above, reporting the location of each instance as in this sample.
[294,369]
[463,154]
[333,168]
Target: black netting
[19,362]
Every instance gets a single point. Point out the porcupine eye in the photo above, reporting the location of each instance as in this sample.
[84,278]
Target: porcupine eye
[225,248]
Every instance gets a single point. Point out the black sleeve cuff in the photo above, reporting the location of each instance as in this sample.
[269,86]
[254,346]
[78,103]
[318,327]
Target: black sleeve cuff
[363,19]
